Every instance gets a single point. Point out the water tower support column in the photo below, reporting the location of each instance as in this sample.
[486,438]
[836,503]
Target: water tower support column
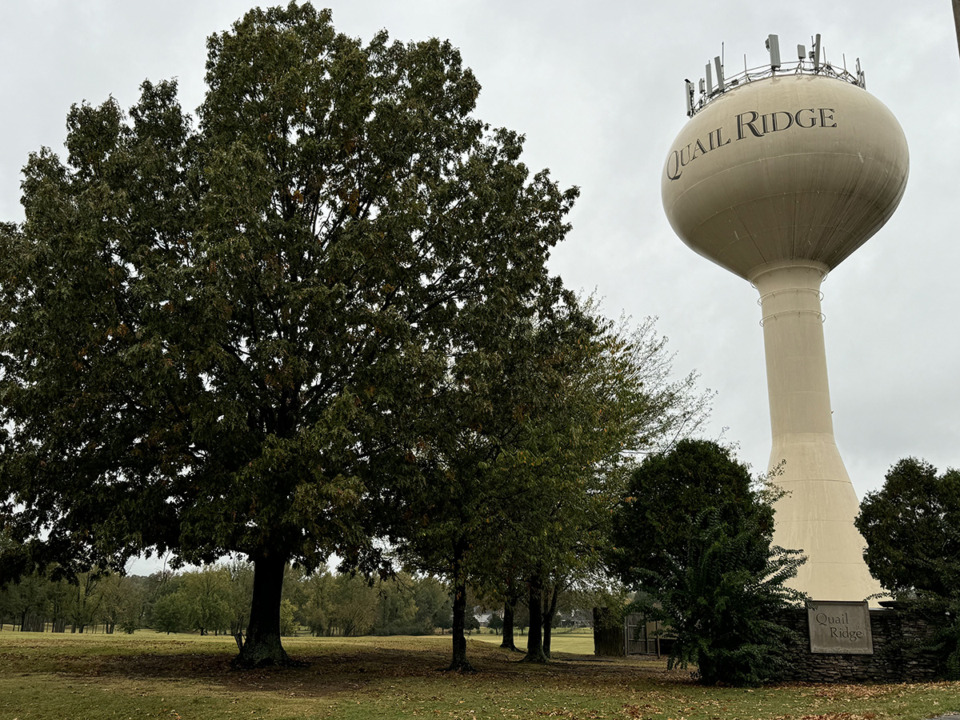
[816,516]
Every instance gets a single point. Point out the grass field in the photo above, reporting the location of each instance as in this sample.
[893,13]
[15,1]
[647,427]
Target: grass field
[578,641]
[147,675]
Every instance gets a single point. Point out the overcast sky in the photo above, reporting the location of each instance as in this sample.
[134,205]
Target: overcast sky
[598,91]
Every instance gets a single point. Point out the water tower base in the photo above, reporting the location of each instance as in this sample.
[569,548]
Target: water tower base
[817,512]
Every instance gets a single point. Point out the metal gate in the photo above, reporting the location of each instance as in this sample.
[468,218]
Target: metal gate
[641,636]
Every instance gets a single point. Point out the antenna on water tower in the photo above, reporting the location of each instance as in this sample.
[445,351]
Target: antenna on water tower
[773,45]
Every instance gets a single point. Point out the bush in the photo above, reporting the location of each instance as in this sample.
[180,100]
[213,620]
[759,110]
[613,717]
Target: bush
[693,536]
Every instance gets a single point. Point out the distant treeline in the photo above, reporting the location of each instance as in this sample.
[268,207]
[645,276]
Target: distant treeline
[216,600]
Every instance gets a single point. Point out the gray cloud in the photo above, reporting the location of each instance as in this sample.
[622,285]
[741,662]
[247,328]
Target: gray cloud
[597,89]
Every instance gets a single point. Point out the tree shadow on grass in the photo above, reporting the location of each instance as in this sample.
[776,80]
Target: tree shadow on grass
[331,669]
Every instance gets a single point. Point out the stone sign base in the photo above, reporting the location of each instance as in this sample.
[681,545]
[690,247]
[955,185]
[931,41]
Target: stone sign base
[898,652]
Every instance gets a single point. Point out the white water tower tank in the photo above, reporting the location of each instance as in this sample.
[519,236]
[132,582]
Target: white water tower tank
[780,175]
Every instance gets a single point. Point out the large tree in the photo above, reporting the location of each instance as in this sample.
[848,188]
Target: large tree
[693,536]
[912,529]
[476,433]
[551,405]
[217,338]
[619,404]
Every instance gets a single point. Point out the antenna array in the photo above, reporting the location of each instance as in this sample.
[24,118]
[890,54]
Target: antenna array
[812,63]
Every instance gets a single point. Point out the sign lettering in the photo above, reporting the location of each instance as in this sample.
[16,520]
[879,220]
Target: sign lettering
[749,125]
[841,628]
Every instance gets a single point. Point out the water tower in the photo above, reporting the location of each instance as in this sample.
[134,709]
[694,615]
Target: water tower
[780,174]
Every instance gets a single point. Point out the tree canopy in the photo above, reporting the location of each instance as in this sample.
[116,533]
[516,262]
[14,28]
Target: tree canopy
[912,529]
[662,507]
[541,417]
[217,336]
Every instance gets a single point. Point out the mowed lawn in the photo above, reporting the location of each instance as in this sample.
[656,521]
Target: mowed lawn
[578,641]
[148,675]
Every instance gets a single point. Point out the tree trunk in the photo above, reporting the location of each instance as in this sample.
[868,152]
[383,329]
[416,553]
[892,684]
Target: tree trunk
[459,662]
[535,636]
[262,646]
[548,614]
[508,641]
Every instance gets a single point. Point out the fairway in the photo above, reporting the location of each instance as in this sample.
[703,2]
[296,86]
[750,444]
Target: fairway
[148,675]
[578,641]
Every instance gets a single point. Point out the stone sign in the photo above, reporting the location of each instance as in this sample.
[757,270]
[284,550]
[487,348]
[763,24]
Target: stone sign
[840,628]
